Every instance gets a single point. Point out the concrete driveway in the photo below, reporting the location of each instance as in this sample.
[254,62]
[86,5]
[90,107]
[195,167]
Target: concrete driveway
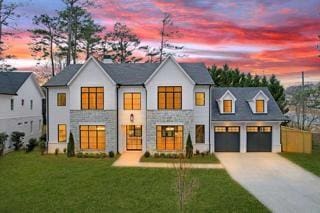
[278,183]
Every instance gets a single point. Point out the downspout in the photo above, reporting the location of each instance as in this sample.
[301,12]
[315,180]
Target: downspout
[47,121]
[146,124]
[117,128]
[210,118]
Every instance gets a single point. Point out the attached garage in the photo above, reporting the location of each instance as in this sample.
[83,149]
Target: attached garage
[259,139]
[227,138]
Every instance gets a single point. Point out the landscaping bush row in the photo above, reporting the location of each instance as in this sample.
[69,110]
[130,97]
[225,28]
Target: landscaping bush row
[174,155]
[95,155]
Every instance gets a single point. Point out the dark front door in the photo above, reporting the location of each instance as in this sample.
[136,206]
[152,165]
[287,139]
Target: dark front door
[134,137]
[227,139]
[259,139]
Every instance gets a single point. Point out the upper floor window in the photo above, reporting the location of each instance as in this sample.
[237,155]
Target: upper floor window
[62,132]
[260,106]
[92,98]
[132,101]
[22,102]
[169,97]
[12,104]
[200,98]
[227,106]
[31,104]
[61,99]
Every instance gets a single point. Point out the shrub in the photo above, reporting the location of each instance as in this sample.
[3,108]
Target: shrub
[3,138]
[86,155]
[70,149]
[42,146]
[79,155]
[111,154]
[103,155]
[147,154]
[162,155]
[32,143]
[92,155]
[189,147]
[16,138]
[156,155]
[198,152]
[43,137]
[56,151]
[64,150]
[174,155]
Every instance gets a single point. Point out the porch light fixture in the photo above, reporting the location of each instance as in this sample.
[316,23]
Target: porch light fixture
[131,117]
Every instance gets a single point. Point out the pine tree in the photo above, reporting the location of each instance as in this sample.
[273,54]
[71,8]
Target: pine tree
[189,147]
[70,149]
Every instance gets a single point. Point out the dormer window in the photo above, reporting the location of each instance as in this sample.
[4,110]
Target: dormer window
[227,106]
[260,106]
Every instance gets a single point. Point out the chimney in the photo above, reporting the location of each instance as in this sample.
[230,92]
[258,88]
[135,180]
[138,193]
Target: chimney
[107,59]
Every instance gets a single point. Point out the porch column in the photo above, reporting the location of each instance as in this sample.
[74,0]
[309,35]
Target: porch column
[243,138]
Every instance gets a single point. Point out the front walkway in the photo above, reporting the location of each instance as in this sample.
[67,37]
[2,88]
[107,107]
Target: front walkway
[278,183]
[132,159]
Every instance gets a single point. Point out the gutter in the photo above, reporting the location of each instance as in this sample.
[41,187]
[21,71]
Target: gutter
[209,118]
[146,124]
[47,121]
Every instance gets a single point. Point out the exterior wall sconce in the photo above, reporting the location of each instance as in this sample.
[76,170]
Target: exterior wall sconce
[131,117]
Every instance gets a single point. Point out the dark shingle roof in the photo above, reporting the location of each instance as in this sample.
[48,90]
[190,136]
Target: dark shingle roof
[243,111]
[10,82]
[132,74]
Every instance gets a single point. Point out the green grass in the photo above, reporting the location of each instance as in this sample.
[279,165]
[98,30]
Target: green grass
[195,159]
[310,162]
[35,183]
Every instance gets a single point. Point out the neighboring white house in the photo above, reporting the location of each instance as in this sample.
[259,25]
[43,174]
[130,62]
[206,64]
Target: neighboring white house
[144,106]
[20,105]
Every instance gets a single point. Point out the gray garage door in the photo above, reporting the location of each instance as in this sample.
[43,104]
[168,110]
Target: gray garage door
[259,139]
[227,139]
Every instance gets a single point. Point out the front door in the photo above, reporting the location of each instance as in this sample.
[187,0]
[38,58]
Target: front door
[134,137]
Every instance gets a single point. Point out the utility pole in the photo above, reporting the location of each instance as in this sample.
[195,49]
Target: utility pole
[303,102]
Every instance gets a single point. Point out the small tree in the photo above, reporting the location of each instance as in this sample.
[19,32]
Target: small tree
[42,146]
[3,138]
[16,138]
[70,149]
[189,147]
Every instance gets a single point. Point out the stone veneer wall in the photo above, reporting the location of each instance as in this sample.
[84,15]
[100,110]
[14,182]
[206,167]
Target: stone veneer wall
[109,118]
[170,117]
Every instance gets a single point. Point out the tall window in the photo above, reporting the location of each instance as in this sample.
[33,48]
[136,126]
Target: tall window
[169,138]
[134,137]
[259,106]
[200,98]
[199,133]
[92,137]
[170,97]
[62,132]
[31,104]
[31,126]
[92,98]
[12,104]
[132,101]
[61,99]
[227,106]
[22,102]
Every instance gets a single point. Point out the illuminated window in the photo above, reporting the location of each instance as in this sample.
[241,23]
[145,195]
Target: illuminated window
[169,97]
[252,129]
[62,132]
[220,129]
[200,98]
[92,137]
[199,133]
[259,106]
[169,138]
[61,99]
[227,106]
[233,129]
[132,101]
[92,98]
[265,129]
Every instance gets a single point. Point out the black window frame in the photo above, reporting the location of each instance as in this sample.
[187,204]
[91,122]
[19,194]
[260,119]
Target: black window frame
[173,97]
[88,99]
[65,99]
[131,93]
[203,133]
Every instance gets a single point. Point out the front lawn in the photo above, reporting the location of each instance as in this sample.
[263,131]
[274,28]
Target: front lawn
[34,183]
[310,162]
[210,158]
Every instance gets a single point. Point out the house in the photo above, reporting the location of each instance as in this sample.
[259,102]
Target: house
[146,107]
[20,105]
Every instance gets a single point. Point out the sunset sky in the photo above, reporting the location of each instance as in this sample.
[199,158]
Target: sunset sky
[261,37]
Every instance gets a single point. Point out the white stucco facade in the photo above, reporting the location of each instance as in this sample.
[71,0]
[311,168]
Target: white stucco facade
[26,115]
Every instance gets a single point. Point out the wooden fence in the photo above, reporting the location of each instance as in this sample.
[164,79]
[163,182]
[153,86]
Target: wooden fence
[296,140]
